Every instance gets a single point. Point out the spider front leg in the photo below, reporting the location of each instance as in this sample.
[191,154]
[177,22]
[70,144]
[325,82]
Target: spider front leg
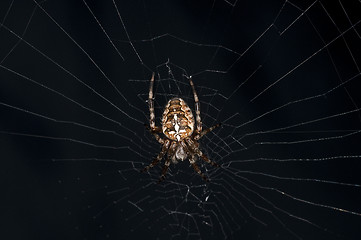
[159,157]
[192,160]
[196,168]
[193,146]
[171,152]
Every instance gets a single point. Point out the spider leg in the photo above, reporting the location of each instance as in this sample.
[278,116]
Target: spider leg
[204,132]
[196,168]
[197,107]
[194,148]
[151,104]
[159,157]
[155,132]
[167,162]
[153,129]
[206,159]
[192,159]
[164,170]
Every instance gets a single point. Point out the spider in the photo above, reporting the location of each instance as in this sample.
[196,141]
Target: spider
[181,139]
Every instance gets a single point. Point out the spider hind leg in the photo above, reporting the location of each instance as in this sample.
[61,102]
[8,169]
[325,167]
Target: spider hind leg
[154,131]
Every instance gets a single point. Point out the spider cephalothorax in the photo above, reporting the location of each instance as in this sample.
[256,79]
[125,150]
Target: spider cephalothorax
[180,141]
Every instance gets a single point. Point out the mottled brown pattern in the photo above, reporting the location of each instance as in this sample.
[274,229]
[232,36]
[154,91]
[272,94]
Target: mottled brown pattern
[180,141]
[177,111]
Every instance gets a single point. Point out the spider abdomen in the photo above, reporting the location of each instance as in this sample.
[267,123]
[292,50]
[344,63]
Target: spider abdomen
[177,120]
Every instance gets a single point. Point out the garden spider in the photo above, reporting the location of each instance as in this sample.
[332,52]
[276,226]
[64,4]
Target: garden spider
[181,139]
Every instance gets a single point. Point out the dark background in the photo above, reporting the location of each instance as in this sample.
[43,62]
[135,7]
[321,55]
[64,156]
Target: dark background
[49,81]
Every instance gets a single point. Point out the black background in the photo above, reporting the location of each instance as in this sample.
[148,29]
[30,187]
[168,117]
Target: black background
[45,199]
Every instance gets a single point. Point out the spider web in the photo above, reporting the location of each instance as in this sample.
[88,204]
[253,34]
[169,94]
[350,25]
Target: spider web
[282,77]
